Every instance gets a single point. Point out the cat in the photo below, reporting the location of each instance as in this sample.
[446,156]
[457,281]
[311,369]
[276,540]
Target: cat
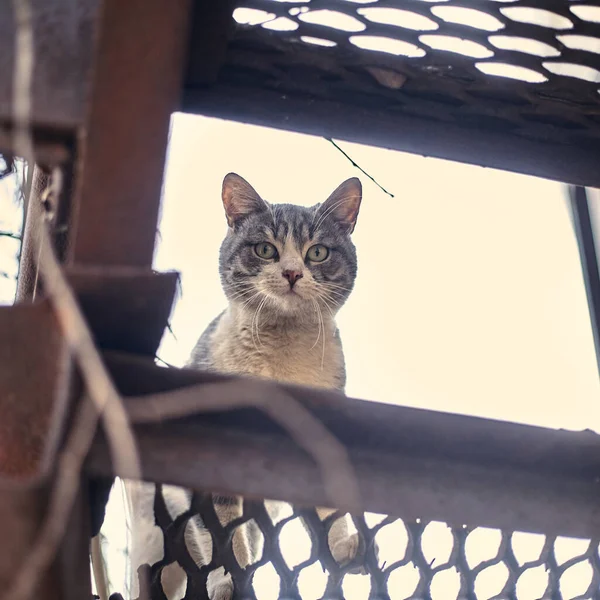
[286,270]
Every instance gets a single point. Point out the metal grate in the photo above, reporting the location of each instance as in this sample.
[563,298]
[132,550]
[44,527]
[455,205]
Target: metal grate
[416,560]
[516,66]
[510,84]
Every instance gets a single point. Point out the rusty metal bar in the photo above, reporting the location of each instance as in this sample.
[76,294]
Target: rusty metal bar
[32,408]
[396,131]
[63,36]
[136,86]
[409,463]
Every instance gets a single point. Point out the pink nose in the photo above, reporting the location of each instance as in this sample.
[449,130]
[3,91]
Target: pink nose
[292,276]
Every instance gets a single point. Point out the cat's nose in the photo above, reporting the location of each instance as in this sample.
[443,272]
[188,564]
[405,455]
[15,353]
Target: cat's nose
[292,276]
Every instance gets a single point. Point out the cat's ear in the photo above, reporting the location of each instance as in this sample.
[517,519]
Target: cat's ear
[240,199]
[343,204]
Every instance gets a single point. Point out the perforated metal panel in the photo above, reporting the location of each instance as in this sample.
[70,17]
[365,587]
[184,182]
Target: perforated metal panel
[501,64]
[415,560]
[460,79]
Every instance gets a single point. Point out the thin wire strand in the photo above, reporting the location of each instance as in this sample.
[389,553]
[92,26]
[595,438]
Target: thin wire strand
[355,164]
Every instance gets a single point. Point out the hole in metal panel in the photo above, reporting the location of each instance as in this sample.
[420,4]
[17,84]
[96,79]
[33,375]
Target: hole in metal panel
[524,45]
[281,24]
[468,16]
[576,580]
[580,42]
[573,70]
[389,45]
[536,16]
[317,41]
[532,584]
[399,18]
[437,543]
[251,16]
[456,45]
[333,19]
[586,12]
[511,71]
[445,584]
[482,544]
[491,581]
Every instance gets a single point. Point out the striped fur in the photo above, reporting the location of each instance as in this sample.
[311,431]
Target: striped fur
[272,330]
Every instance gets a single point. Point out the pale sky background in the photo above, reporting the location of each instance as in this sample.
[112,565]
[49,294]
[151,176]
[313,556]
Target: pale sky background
[469,296]
[469,299]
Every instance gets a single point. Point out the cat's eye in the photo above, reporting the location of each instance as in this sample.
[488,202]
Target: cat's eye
[265,250]
[317,253]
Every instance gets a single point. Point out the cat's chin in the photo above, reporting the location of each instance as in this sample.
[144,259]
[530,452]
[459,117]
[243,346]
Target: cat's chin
[292,303]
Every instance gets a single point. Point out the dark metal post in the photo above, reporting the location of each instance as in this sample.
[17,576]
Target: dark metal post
[584,232]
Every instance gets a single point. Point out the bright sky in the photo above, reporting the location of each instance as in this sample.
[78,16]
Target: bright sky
[469,298]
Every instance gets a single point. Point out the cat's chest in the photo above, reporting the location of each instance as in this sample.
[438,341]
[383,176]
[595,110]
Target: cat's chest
[311,358]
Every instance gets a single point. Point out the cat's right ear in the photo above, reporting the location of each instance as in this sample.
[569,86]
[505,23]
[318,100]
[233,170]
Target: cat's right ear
[240,199]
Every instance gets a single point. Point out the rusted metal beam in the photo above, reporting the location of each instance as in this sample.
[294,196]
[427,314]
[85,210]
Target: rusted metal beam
[140,304]
[377,127]
[409,463]
[136,86]
[32,408]
[63,37]
[36,390]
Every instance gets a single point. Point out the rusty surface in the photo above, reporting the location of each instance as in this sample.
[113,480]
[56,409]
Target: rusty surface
[410,463]
[63,32]
[21,512]
[34,390]
[136,86]
[127,309]
[50,150]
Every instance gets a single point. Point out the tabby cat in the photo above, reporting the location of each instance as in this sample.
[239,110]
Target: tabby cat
[286,271]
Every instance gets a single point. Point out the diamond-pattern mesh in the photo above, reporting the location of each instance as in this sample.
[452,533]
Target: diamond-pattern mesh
[416,560]
[527,67]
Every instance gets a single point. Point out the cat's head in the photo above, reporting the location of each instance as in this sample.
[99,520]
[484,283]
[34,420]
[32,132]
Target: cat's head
[292,259]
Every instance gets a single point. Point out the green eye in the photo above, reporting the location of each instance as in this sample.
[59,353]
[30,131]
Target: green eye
[265,250]
[317,253]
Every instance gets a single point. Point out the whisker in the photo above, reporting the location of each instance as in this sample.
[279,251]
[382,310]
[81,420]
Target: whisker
[255,319]
[247,302]
[335,285]
[242,295]
[338,293]
[239,294]
[323,326]
[319,330]
[328,308]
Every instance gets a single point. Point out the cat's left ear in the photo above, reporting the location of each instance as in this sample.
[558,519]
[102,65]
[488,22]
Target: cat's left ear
[240,199]
[343,204]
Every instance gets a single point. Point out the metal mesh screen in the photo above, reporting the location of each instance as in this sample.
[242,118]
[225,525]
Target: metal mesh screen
[527,67]
[416,560]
